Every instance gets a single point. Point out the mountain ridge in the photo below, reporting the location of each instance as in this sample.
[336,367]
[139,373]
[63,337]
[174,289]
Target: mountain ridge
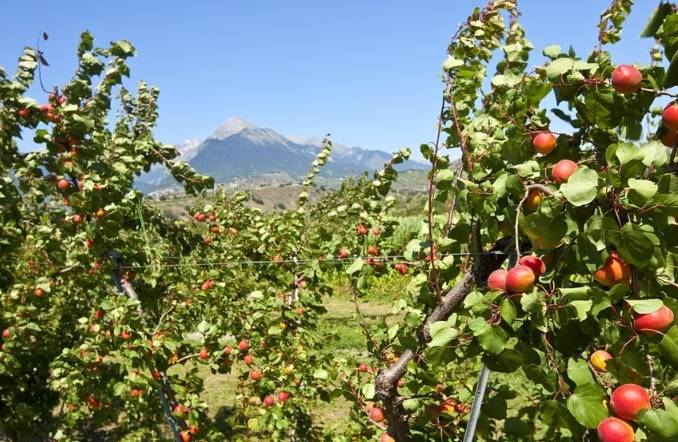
[239,149]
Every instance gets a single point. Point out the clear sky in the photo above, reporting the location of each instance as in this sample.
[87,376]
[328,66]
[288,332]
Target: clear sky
[368,72]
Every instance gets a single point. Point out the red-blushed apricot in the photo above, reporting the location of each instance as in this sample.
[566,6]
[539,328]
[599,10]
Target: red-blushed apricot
[497,280]
[563,170]
[520,279]
[670,117]
[534,263]
[655,322]
[626,79]
[612,429]
[63,184]
[385,437]
[669,138]
[628,400]
[544,142]
[377,414]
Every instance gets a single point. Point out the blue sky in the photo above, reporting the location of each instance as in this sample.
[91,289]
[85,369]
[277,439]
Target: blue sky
[368,72]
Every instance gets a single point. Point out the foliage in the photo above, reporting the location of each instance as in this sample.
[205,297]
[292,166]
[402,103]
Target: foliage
[111,311]
[619,203]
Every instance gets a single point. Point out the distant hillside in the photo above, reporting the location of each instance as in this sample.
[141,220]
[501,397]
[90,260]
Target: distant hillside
[272,193]
[240,150]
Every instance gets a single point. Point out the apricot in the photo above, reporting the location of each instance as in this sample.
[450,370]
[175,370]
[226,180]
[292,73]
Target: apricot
[563,170]
[670,117]
[669,138]
[533,199]
[612,429]
[385,437]
[626,79]
[497,280]
[520,279]
[615,271]
[655,322]
[535,263]
[628,400]
[544,142]
[598,360]
[377,414]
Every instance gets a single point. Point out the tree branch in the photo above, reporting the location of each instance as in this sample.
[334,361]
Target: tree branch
[387,381]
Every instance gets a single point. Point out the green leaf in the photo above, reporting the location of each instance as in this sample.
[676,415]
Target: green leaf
[446,175]
[586,405]
[506,80]
[601,108]
[671,78]
[656,19]
[671,387]
[669,346]
[442,333]
[582,308]
[531,302]
[579,372]
[551,51]
[544,232]
[558,67]
[451,63]
[274,330]
[663,422]
[644,306]
[654,154]
[632,244]
[641,191]
[203,326]
[507,310]
[491,338]
[368,391]
[120,389]
[582,187]
[122,48]
[355,267]
[528,169]
[411,404]
[321,374]
[626,152]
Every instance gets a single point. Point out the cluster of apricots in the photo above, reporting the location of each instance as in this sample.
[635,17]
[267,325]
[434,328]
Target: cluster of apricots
[626,401]
[519,279]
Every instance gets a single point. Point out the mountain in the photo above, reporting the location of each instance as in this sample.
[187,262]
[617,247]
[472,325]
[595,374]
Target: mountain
[240,150]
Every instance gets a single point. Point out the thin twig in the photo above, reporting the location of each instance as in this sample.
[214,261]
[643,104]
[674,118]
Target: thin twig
[363,323]
[429,208]
[162,318]
[653,380]
[194,355]
[658,92]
